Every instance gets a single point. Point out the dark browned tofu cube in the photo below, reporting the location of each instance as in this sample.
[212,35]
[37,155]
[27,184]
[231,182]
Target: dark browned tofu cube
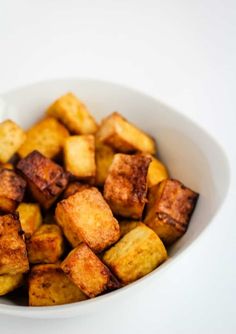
[88,272]
[125,187]
[85,216]
[46,245]
[13,255]
[48,286]
[12,189]
[170,206]
[46,179]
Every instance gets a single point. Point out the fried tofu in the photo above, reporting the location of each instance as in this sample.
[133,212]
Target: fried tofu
[123,136]
[46,179]
[49,286]
[13,255]
[12,189]
[46,245]
[169,209]
[85,216]
[103,156]
[79,157]
[47,136]
[135,255]
[74,114]
[157,172]
[73,188]
[11,138]
[7,165]
[30,217]
[9,283]
[125,187]
[127,225]
[88,272]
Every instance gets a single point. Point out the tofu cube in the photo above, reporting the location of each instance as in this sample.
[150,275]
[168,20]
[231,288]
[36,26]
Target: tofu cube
[79,157]
[46,179]
[103,156]
[157,172]
[135,255]
[123,136]
[73,114]
[11,138]
[13,255]
[9,283]
[88,272]
[49,286]
[46,245]
[127,225]
[30,217]
[73,188]
[7,165]
[125,188]
[169,209]
[85,216]
[47,136]
[12,189]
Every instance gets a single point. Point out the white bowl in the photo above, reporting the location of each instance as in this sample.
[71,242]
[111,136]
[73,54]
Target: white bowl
[191,154]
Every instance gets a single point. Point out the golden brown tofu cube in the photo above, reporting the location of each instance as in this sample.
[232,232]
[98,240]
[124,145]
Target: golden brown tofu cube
[103,156]
[157,172]
[30,217]
[169,209]
[127,225]
[48,286]
[88,272]
[79,156]
[9,283]
[123,136]
[73,188]
[13,255]
[47,136]
[12,189]
[135,255]
[85,216]
[46,245]
[74,114]
[11,138]
[125,187]
[46,179]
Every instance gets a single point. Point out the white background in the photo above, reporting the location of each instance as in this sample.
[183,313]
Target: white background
[181,51]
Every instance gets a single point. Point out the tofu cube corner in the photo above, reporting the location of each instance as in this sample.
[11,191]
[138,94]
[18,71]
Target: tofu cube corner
[73,114]
[88,272]
[135,255]
[85,216]
[123,136]
[46,245]
[13,255]
[169,209]
[30,217]
[46,179]
[11,138]
[12,190]
[125,188]
[49,286]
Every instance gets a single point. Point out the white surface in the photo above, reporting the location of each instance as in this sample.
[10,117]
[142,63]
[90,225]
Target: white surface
[182,52]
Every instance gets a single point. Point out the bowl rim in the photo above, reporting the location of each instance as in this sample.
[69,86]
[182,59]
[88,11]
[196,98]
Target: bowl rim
[69,310]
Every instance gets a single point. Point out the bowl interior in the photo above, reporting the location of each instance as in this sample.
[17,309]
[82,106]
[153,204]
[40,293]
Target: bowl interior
[190,153]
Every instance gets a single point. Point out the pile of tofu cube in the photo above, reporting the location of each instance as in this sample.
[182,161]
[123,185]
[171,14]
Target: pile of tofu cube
[84,209]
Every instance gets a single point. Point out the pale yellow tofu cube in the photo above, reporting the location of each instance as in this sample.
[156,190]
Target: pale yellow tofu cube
[30,217]
[79,156]
[11,138]
[73,114]
[157,172]
[135,255]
